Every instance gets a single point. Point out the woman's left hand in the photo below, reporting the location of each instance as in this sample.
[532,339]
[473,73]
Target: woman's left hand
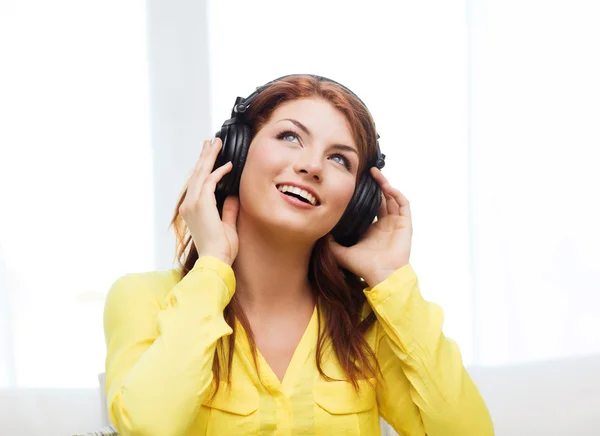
[385,246]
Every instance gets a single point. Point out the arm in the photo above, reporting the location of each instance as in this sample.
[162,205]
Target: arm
[160,353]
[413,353]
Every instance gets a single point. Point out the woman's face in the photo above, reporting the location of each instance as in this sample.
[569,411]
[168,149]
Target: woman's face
[300,172]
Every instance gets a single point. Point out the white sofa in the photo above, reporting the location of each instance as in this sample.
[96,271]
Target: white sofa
[49,412]
[554,398]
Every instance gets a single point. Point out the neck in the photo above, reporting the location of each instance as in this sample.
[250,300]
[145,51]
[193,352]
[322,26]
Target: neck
[271,271]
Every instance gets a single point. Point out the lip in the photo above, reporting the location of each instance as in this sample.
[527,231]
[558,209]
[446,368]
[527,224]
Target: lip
[306,188]
[293,201]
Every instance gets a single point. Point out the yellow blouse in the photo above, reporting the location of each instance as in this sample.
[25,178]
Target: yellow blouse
[161,335]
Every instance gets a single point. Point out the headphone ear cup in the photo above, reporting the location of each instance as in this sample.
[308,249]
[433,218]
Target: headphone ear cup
[236,140]
[240,152]
[225,153]
[360,213]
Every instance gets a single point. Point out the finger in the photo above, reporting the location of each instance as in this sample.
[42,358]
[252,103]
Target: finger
[382,208]
[210,184]
[205,146]
[193,182]
[393,208]
[230,211]
[208,157]
[204,166]
[402,206]
[338,251]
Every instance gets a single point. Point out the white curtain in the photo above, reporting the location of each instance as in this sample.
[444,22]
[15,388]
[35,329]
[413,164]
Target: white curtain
[488,113]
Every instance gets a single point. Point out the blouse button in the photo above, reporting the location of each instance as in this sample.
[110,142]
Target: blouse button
[374,295]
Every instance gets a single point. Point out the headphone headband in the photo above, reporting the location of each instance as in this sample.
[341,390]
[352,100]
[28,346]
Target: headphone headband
[242,104]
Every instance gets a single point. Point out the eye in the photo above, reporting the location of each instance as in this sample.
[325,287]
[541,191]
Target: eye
[289,136]
[342,160]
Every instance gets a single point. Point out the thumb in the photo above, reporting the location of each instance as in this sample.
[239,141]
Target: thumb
[231,207]
[338,251]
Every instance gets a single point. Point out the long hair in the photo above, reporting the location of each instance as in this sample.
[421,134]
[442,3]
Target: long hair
[338,291]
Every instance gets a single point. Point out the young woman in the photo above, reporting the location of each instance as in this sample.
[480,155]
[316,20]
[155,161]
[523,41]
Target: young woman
[276,323]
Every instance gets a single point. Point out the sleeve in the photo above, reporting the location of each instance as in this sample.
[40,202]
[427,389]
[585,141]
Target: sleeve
[414,354]
[160,353]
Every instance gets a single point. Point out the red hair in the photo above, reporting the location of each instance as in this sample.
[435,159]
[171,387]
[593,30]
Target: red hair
[338,291]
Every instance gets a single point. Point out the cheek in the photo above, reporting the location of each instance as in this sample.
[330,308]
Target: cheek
[263,159]
[261,167]
[342,194]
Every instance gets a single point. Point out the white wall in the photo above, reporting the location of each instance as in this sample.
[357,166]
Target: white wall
[534,234]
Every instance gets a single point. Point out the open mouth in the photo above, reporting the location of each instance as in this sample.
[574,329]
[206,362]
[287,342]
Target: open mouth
[300,194]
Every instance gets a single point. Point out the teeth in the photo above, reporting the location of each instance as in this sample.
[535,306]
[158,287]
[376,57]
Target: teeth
[301,192]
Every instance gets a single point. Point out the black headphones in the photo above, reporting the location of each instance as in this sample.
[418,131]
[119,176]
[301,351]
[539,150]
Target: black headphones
[235,134]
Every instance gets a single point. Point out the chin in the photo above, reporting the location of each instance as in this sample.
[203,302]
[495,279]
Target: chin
[286,227]
[294,228]
[274,215]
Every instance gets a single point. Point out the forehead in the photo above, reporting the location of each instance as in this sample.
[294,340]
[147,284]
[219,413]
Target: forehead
[318,115]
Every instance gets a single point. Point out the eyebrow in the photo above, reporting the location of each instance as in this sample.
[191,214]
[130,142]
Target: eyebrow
[305,130]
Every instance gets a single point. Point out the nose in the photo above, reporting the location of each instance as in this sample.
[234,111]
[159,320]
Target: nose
[309,164]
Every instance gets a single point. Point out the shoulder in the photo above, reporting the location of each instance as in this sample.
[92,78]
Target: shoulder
[141,289]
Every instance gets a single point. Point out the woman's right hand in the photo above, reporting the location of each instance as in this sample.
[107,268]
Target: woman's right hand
[211,235]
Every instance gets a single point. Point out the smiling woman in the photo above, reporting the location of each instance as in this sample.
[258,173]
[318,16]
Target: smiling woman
[267,325]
